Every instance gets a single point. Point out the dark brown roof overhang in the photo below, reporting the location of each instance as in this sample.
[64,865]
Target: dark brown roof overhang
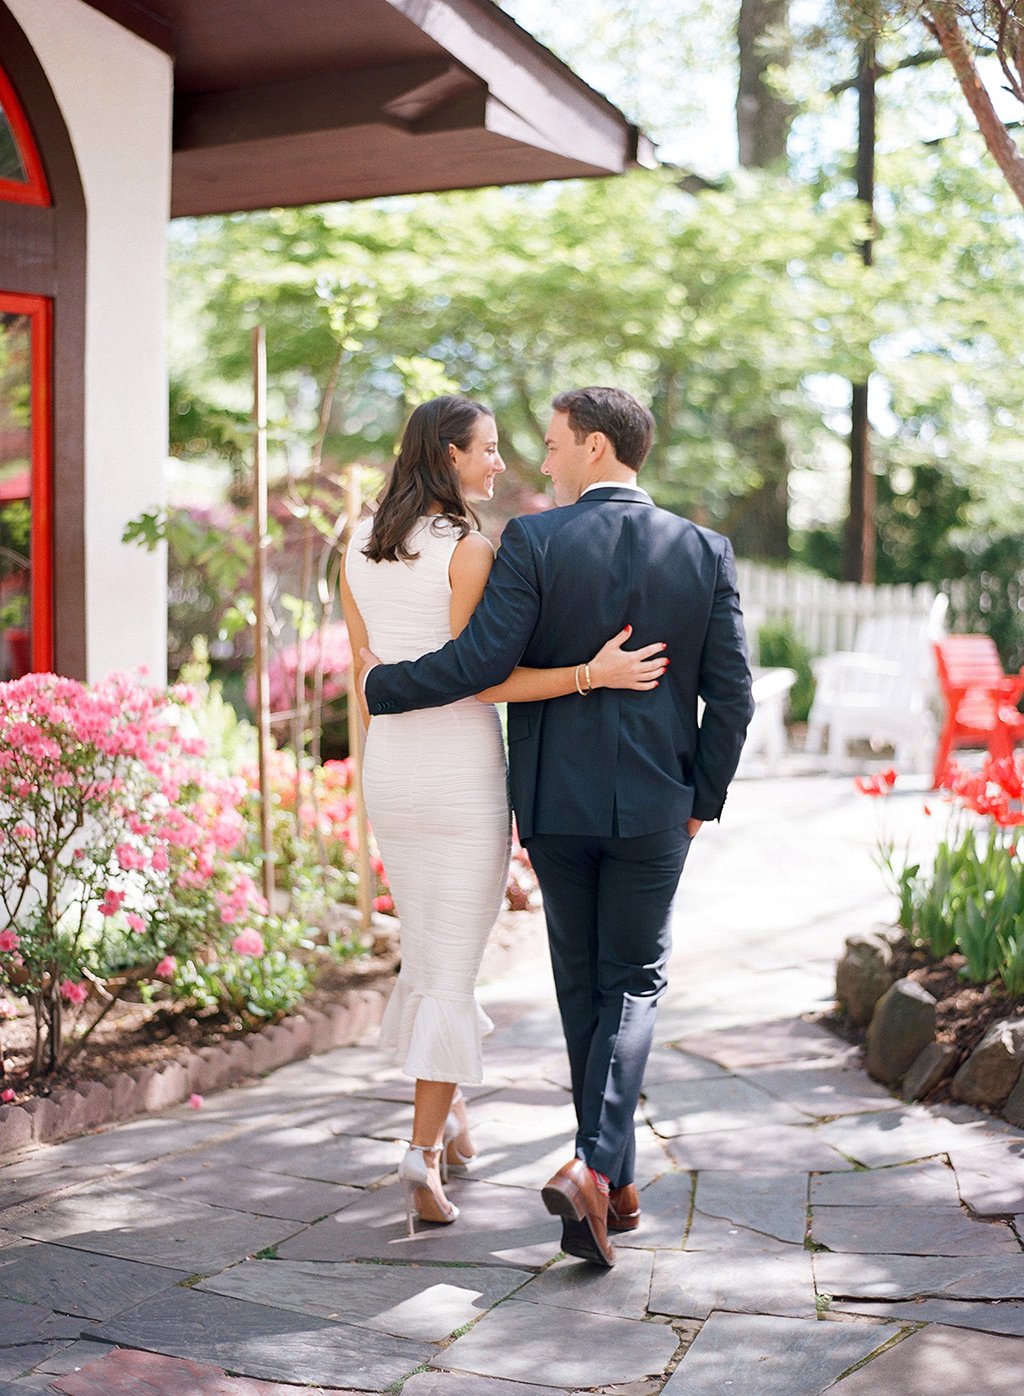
[285,102]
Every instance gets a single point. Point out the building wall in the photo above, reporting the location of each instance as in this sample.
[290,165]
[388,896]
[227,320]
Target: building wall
[115,93]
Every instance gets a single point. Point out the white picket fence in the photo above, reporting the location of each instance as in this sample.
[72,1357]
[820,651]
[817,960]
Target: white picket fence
[823,613]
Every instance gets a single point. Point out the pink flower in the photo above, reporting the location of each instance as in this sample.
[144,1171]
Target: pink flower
[7,1096]
[111,903]
[135,921]
[166,967]
[74,993]
[196,1101]
[128,857]
[9,939]
[383,904]
[7,1009]
[248,943]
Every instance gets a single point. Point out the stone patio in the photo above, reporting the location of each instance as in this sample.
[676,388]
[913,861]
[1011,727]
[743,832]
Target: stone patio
[804,1230]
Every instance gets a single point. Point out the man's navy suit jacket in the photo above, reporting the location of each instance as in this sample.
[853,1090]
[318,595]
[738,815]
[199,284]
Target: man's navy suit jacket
[617,762]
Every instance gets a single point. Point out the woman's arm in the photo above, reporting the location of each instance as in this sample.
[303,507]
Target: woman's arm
[611,667]
[358,640]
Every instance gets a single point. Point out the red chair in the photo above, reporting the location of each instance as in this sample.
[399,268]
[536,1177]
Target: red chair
[981,701]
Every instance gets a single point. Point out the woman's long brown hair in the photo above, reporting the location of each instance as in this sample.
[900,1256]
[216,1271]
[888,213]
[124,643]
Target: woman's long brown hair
[424,480]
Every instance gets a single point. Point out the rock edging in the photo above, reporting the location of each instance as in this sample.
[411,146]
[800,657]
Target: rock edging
[128,1094]
[901,1050]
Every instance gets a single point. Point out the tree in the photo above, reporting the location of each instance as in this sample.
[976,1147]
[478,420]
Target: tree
[996,24]
[763,121]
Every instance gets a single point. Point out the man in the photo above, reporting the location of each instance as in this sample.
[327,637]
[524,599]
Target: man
[609,788]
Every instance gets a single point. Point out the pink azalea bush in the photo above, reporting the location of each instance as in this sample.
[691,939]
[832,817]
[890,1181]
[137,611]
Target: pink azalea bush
[328,649]
[316,834]
[119,850]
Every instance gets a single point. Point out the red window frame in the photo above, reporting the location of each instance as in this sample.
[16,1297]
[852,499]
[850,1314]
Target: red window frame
[39,309]
[35,189]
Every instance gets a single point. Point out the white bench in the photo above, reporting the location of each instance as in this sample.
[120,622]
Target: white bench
[766,735]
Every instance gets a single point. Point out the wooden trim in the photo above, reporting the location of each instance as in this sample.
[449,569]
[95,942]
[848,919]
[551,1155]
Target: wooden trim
[527,79]
[395,93]
[140,20]
[33,190]
[42,487]
[27,248]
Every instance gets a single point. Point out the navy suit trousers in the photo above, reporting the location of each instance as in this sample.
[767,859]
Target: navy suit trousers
[608,904]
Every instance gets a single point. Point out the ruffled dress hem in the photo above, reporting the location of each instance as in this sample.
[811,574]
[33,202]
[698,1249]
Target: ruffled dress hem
[435,1036]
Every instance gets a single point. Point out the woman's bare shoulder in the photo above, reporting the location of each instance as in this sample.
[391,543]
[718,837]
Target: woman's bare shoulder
[474,545]
[471,562]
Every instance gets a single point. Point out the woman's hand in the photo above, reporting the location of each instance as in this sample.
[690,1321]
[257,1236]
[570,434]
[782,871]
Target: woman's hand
[614,667]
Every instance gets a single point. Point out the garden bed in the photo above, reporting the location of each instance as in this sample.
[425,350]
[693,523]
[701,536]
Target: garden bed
[964,1012]
[136,1035]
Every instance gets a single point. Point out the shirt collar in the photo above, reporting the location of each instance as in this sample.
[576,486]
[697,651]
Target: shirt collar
[610,485]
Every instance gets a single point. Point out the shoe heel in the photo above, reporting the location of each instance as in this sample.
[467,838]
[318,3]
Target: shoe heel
[409,1192]
[559,1202]
[424,1198]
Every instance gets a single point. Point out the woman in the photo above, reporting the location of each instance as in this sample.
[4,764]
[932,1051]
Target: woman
[434,780]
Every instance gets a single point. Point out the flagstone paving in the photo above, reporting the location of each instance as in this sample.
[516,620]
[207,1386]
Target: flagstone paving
[803,1229]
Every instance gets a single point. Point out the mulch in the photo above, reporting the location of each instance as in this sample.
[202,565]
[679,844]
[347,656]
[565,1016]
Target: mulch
[963,1014]
[135,1035]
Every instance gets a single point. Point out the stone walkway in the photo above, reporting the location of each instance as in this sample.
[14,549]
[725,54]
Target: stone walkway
[803,1229]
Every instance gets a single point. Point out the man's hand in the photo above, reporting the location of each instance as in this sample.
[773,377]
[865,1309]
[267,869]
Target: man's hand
[692,825]
[370,661]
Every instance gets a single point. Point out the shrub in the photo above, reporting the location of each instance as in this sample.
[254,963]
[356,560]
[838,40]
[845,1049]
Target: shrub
[328,652]
[315,832]
[118,848]
[779,647]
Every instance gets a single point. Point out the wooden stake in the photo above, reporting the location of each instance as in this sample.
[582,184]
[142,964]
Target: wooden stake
[259,412]
[354,505]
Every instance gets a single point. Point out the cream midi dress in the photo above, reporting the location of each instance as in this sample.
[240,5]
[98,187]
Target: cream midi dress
[435,785]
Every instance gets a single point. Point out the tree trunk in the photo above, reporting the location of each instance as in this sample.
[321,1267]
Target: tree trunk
[859,560]
[763,118]
[942,20]
[760,522]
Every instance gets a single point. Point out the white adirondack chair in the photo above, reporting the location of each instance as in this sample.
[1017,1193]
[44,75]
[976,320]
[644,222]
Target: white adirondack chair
[881,691]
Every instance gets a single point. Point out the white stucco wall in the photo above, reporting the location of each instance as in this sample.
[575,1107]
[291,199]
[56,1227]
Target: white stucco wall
[115,94]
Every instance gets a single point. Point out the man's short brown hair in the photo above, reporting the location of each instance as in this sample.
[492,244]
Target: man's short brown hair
[627,423]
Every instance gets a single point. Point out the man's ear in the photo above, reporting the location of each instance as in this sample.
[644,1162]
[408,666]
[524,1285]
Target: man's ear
[598,444]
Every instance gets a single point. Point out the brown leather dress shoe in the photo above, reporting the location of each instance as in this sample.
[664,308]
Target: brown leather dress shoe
[623,1208]
[573,1196]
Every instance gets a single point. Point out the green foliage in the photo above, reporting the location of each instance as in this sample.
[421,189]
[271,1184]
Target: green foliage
[779,646]
[971,899]
[259,988]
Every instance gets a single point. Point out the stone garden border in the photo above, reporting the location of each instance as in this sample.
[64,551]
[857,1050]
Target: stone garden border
[900,1048]
[122,1096]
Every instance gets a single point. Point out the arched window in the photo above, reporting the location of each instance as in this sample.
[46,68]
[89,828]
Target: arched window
[22,180]
[26,370]
[42,374]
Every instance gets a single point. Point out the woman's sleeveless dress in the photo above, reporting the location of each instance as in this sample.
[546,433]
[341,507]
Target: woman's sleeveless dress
[436,794]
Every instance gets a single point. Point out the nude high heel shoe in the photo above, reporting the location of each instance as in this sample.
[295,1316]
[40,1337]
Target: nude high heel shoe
[424,1196]
[458,1146]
